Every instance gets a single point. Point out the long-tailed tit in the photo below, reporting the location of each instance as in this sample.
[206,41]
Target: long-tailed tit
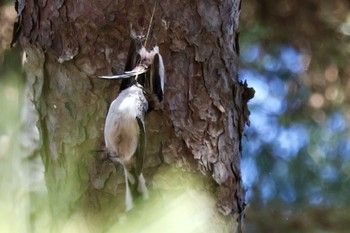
[141,89]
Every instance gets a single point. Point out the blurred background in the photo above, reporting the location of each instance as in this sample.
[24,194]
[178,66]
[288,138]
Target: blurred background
[14,198]
[296,158]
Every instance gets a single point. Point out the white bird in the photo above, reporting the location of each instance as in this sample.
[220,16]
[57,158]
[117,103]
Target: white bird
[124,132]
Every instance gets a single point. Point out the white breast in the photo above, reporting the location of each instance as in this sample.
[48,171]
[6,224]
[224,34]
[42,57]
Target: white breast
[121,128]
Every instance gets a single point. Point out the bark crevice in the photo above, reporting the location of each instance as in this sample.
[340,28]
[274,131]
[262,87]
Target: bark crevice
[205,107]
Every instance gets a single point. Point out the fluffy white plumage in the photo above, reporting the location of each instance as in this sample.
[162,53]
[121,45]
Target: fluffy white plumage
[124,128]
[121,133]
[121,120]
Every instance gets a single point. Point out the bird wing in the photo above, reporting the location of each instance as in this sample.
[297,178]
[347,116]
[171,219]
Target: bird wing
[149,73]
[153,79]
[132,60]
[157,76]
[140,69]
[140,151]
[119,76]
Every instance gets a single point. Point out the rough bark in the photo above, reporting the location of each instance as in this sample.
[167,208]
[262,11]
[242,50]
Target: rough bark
[68,43]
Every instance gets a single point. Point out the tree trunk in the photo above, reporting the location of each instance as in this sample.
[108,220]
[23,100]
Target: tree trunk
[199,127]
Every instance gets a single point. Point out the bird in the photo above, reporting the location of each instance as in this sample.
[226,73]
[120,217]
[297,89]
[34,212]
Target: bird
[141,90]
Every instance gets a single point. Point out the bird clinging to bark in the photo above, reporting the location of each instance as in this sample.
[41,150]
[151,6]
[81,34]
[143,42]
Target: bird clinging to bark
[140,91]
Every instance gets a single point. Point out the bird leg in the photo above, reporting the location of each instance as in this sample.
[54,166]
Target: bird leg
[128,196]
[142,188]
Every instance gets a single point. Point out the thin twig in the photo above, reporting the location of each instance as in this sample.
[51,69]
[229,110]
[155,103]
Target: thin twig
[150,23]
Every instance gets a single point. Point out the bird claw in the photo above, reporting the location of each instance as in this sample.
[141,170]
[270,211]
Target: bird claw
[142,188]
